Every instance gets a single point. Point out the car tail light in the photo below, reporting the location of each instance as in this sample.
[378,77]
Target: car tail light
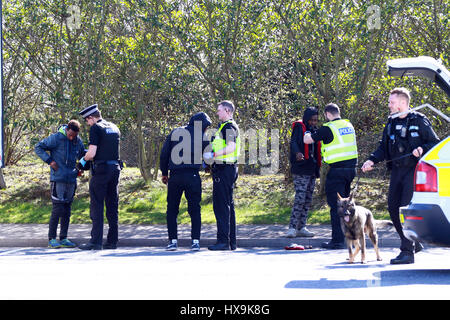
[425,178]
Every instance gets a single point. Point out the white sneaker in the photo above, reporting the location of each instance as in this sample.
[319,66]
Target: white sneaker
[292,233]
[303,232]
[173,245]
[195,245]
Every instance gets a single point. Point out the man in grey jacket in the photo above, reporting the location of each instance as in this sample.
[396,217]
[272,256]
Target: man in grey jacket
[61,151]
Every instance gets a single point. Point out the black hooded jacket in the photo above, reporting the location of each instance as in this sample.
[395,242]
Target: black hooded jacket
[184,146]
[306,166]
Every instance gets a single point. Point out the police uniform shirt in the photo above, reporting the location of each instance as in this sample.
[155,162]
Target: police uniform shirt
[229,132]
[401,136]
[105,135]
[325,135]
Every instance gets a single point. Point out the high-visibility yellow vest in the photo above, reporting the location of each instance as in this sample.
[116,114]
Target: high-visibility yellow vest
[219,143]
[343,147]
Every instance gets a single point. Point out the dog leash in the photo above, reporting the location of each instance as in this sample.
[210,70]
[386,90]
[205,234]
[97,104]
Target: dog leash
[355,188]
[401,157]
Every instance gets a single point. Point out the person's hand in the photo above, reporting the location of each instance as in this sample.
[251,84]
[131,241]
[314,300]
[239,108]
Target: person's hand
[299,156]
[417,152]
[367,166]
[307,138]
[165,179]
[54,165]
[208,155]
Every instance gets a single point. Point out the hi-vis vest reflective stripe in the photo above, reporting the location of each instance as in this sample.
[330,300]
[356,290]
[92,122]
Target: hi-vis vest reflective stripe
[219,143]
[343,147]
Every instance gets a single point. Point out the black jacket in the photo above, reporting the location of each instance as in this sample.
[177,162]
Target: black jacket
[402,136]
[184,146]
[310,164]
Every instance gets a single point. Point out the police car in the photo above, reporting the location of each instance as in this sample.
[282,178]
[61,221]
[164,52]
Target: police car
[427,217]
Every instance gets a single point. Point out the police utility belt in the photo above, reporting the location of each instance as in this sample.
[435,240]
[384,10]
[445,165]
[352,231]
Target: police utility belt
[97,163]
[222,165]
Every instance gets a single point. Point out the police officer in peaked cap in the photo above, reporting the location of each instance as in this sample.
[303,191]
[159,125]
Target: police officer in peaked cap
[103,152]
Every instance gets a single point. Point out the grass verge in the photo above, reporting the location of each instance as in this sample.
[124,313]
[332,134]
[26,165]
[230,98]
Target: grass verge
[258,199]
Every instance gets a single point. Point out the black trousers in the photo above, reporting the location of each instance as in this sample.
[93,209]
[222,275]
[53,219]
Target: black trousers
[189,182]
[401,189]
[62,197]
[224,178]
[103,190]
[338,180]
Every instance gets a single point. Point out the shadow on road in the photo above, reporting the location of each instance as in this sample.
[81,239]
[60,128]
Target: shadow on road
[382,279]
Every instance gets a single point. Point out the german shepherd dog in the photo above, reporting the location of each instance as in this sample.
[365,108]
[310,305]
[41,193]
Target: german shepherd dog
[356,221]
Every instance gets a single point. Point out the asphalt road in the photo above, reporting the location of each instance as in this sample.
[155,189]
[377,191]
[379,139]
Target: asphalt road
[258,273]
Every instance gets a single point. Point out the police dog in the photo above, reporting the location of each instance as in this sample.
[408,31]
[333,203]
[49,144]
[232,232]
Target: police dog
[356,221]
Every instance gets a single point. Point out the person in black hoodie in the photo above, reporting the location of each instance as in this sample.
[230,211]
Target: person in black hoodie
[182,155]
[305,165]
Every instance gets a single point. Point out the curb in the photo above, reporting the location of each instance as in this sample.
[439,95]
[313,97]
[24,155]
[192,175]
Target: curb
[162,243]
[248,236]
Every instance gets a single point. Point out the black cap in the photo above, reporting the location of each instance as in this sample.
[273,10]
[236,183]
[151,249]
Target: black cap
[86,112]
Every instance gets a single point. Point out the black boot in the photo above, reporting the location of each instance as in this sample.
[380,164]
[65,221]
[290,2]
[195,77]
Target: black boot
[405,257]
[90,246]
[219,246]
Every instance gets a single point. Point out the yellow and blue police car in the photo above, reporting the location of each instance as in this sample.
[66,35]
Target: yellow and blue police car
[427,217]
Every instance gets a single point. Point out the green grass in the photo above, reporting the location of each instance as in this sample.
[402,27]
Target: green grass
[258,199]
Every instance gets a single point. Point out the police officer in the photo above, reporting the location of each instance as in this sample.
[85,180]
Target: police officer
[339,150]
[225,153]
[406,137]
[103,151]
[182,155]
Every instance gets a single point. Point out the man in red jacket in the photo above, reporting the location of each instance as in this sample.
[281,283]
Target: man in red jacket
[305,164]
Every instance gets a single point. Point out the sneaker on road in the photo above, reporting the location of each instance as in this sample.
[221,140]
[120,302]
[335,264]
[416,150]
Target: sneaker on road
[66,243]
[195,245]
[172,246]
[303,232]
[292,233]
[54,244]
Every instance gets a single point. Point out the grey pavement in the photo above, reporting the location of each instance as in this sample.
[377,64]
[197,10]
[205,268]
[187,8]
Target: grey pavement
[248,236]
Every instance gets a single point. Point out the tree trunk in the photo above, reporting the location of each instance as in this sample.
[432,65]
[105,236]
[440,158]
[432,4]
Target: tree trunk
[158,147]
[323,177]
[142,159]
[2,180]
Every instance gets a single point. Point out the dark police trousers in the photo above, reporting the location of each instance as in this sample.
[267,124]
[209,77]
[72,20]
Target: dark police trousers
[401,189]
[62,197]
[189,182]
[103,190]
[338,180]
[224,177]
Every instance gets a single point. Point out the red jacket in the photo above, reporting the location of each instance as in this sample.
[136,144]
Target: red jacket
[306,146]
